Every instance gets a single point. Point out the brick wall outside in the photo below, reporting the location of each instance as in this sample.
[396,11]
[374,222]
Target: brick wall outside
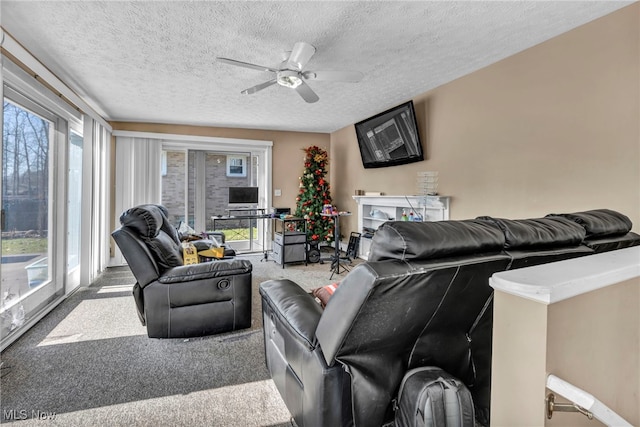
[173,186]
[217,198]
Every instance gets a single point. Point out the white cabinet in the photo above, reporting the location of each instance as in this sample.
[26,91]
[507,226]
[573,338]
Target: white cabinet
[375,210]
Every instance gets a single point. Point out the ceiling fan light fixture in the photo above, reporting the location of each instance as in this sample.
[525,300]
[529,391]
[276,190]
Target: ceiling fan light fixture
[290,73]
[288,78]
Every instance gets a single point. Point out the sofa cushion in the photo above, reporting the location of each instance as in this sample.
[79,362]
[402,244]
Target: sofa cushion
[600,222]
[539,232]
[408,240]
[612,243]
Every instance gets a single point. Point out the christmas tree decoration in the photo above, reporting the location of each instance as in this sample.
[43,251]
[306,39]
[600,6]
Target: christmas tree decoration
[314,195]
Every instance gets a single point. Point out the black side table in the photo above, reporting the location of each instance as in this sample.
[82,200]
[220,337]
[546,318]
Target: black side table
[290,243]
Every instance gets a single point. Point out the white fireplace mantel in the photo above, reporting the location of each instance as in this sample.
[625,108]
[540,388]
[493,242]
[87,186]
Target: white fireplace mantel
[373,211]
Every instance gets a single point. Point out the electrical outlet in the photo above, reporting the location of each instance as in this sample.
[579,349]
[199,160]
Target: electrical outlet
[277,192]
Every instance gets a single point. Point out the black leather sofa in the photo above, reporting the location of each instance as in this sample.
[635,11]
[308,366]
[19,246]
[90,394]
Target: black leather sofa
[176,300]
[422,299]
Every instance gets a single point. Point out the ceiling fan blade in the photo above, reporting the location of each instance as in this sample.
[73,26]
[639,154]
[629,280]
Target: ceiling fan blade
[245,64]
[334,76]
[300,55]
[256,88]
[307,93]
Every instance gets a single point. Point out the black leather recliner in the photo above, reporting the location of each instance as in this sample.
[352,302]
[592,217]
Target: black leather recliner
[422,299]
[176,300]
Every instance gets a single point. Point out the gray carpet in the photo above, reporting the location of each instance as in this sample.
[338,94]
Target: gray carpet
[89,362]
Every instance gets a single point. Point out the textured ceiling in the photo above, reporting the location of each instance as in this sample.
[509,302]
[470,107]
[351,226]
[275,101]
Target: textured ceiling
[154,61]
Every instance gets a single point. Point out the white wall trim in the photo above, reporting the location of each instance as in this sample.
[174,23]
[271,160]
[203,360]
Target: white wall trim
[557,281]
[172,140]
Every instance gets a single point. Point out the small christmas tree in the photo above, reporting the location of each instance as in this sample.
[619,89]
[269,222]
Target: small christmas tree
[314,194]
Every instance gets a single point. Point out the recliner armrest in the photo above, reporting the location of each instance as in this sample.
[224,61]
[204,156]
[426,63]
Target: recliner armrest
[205,270]
[295,307]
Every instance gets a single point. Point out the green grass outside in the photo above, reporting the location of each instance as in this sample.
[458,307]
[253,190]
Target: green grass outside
[232,234]
[35,245]
[27,245]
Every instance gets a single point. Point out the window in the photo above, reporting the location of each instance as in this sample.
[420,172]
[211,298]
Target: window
[236,166]
[28,202]
[74,204]
[163,165]
[41,195]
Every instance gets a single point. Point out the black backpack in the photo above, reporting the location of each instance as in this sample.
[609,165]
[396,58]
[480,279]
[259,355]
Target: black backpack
[431,397]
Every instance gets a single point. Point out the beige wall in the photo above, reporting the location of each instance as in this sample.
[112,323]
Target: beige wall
[288,157]
[518,363]
[592,341]
[552,129]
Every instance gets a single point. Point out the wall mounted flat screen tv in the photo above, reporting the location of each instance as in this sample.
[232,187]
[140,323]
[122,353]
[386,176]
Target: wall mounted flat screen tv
[243,195]
[390,138]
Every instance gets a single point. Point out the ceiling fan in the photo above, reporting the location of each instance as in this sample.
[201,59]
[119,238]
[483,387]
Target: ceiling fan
[291,73]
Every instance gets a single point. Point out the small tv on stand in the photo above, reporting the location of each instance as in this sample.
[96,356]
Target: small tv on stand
[243,196]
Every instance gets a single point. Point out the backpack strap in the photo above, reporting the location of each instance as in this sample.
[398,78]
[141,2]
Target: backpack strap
[466,409]
[465,402]
[436,394]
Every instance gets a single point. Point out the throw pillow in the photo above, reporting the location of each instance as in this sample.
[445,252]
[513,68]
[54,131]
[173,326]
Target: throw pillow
[324,293]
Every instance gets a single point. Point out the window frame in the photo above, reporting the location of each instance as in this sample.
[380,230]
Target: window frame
[230,160]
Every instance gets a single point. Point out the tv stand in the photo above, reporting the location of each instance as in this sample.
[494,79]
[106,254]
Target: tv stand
[246,211]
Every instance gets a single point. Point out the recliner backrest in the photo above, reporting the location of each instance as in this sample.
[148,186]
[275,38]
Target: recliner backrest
[606,230]
[387,317]
[599,222]
[407,240]
[537,241]
[538,232]
[139,258]
[150,223]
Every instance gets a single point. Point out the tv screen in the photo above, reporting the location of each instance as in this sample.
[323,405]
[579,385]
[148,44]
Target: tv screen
[390,138]
[243,195]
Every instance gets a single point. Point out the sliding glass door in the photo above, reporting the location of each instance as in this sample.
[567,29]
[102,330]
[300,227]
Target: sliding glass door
[195,190]
[41,205]
[28,232]
[74,209]
[191,176]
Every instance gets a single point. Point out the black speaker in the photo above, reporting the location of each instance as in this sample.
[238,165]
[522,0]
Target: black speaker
[313,254]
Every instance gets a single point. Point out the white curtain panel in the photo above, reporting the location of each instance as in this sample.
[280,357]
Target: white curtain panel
[138,176]
[137,171]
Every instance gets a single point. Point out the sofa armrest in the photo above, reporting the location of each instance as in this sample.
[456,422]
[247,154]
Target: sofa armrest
[313,392]
[205,270]
[294,307]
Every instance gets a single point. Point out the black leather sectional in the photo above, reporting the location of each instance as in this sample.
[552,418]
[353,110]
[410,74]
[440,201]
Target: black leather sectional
[422,299]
